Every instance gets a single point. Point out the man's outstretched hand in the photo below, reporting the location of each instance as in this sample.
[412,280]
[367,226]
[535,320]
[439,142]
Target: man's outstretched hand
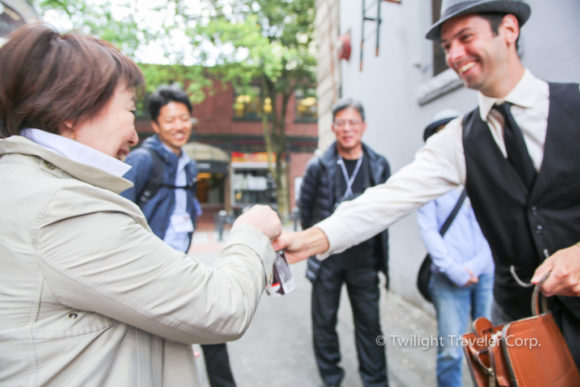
[301,245]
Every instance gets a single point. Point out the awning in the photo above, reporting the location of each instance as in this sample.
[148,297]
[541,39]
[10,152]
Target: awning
[207,157]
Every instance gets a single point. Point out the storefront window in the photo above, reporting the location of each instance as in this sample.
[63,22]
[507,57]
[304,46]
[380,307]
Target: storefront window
[306,109]
[251,180]
[248,105]
[252,186]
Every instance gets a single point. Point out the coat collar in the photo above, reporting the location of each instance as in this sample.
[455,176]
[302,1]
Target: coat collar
[91,175]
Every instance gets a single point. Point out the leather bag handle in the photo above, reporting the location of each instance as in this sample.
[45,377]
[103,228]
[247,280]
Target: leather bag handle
[538,297]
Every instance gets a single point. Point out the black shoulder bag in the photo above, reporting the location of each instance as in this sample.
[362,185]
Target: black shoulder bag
[424,273]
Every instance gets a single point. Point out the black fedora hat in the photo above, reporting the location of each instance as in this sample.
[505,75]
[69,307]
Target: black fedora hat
[453,8]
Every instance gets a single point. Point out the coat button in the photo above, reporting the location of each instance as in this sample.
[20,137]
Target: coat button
[539,229]
[533,210]
[73,315]
[48,165]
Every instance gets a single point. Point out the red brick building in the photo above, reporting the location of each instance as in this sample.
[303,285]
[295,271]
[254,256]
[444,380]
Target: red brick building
[230,124]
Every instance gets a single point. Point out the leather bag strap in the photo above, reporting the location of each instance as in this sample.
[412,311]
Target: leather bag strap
[538,297]
[539,301]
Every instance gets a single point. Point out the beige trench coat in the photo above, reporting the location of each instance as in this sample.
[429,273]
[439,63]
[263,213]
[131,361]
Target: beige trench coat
[90,297]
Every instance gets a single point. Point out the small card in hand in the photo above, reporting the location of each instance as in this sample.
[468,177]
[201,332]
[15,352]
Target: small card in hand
[283,280]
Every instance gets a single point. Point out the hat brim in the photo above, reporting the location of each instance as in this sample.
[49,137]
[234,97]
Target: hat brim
[520,10]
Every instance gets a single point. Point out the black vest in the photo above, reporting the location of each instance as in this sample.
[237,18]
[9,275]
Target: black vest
[524,226]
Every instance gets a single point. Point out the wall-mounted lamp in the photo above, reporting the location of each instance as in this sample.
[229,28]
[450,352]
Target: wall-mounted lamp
[344,46]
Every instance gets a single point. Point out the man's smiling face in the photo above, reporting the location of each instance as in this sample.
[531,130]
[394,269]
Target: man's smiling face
[474,51]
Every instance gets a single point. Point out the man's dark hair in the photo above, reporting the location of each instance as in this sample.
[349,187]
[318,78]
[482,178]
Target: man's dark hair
[164,95]
[345,103]
[494,20]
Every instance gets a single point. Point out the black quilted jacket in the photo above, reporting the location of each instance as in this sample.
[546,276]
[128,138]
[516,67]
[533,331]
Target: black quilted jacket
[318,194]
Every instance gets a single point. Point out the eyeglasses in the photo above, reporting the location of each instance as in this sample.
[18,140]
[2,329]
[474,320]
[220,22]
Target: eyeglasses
[343,123]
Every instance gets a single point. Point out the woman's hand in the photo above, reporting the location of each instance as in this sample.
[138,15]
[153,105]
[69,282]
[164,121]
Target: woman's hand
[263,218]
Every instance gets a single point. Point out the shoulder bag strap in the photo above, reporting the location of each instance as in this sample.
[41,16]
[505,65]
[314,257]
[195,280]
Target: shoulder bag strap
[453,213]
[154,180]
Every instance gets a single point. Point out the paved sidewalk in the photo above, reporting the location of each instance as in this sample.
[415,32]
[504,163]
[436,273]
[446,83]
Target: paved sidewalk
[277,350]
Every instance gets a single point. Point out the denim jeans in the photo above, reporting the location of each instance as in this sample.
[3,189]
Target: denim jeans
[454,306]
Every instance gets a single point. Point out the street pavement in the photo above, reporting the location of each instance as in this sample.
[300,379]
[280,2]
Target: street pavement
[277,349]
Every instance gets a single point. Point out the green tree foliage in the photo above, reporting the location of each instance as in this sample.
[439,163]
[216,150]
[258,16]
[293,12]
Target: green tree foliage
[97,19]
[126,26]
[269,43]
[265,43]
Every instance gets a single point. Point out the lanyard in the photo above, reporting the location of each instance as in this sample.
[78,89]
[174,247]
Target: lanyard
[349,180]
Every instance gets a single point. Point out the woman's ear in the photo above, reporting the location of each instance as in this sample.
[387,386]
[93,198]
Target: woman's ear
[65,129]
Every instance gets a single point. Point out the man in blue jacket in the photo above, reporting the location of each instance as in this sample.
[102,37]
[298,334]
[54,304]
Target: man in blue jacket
[343,172]
[164,188]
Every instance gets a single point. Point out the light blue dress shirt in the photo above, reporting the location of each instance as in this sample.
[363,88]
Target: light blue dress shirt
[179,240]
[463,246]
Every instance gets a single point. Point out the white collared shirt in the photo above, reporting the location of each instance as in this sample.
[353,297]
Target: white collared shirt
[76,151]
[530,105]
[439,166]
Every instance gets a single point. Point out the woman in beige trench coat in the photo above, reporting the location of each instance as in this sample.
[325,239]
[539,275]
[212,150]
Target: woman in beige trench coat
[88,294]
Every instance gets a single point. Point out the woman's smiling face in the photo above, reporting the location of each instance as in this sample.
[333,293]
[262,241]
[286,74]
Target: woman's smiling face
[112,130]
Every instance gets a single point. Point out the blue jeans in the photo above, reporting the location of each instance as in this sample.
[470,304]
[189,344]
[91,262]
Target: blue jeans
[454,306]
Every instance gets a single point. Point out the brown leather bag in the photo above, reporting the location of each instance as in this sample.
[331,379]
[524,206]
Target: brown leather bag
[526,352]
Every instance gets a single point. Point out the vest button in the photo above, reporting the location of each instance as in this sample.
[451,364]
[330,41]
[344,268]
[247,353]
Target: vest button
[539,229]
[533,210]
[73,315]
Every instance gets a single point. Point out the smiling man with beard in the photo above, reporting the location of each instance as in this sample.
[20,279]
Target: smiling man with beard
[517,155]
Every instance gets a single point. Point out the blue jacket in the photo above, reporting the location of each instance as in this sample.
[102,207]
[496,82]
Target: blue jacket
[158,209]
[318,194]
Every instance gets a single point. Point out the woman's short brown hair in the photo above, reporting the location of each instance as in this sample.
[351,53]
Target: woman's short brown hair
[47,78]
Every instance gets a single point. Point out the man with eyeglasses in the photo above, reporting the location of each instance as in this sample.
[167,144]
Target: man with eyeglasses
[343,172]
